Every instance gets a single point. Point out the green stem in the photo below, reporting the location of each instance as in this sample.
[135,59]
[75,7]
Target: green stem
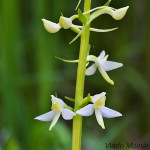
[77,120]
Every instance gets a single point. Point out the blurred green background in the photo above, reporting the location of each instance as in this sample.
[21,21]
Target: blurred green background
[29,74]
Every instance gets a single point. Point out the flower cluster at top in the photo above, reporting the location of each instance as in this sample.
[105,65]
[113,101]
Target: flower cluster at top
[89,104]
[66,23]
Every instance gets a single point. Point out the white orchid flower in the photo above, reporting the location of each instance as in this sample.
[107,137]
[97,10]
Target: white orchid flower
[99,108]
[58,108]
[103,65]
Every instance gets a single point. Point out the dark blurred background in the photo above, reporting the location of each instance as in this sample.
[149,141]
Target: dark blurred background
[29,74]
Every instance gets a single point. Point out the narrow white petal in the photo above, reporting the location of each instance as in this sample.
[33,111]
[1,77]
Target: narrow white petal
[97,30]
[101,56]
[86,111]
[46,117]
[99,118]
[55,119]
[67,114]
[98,96]
[57,101]
[110,65]
[91,70]
[105,76]
[109,113]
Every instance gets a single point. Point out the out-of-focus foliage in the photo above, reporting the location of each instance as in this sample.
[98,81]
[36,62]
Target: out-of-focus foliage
[29,73]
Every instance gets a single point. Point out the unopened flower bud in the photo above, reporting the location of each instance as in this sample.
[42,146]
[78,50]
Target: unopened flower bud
[51,27]
[65,23]
[119,13]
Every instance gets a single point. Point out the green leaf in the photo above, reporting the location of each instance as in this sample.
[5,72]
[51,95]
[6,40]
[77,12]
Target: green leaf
[69,98]
[86,100]
[107,3]
[81,17]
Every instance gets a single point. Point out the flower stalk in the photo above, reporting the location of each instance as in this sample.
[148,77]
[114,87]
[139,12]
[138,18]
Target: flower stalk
[77,120]
[82,106]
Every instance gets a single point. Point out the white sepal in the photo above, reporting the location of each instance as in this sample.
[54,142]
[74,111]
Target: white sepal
[109,113]
[91,70]
[67,114]
[98,96]
[110,65]
[86,111]
[101,56]
[99,118]
[46,117]
[51,27]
